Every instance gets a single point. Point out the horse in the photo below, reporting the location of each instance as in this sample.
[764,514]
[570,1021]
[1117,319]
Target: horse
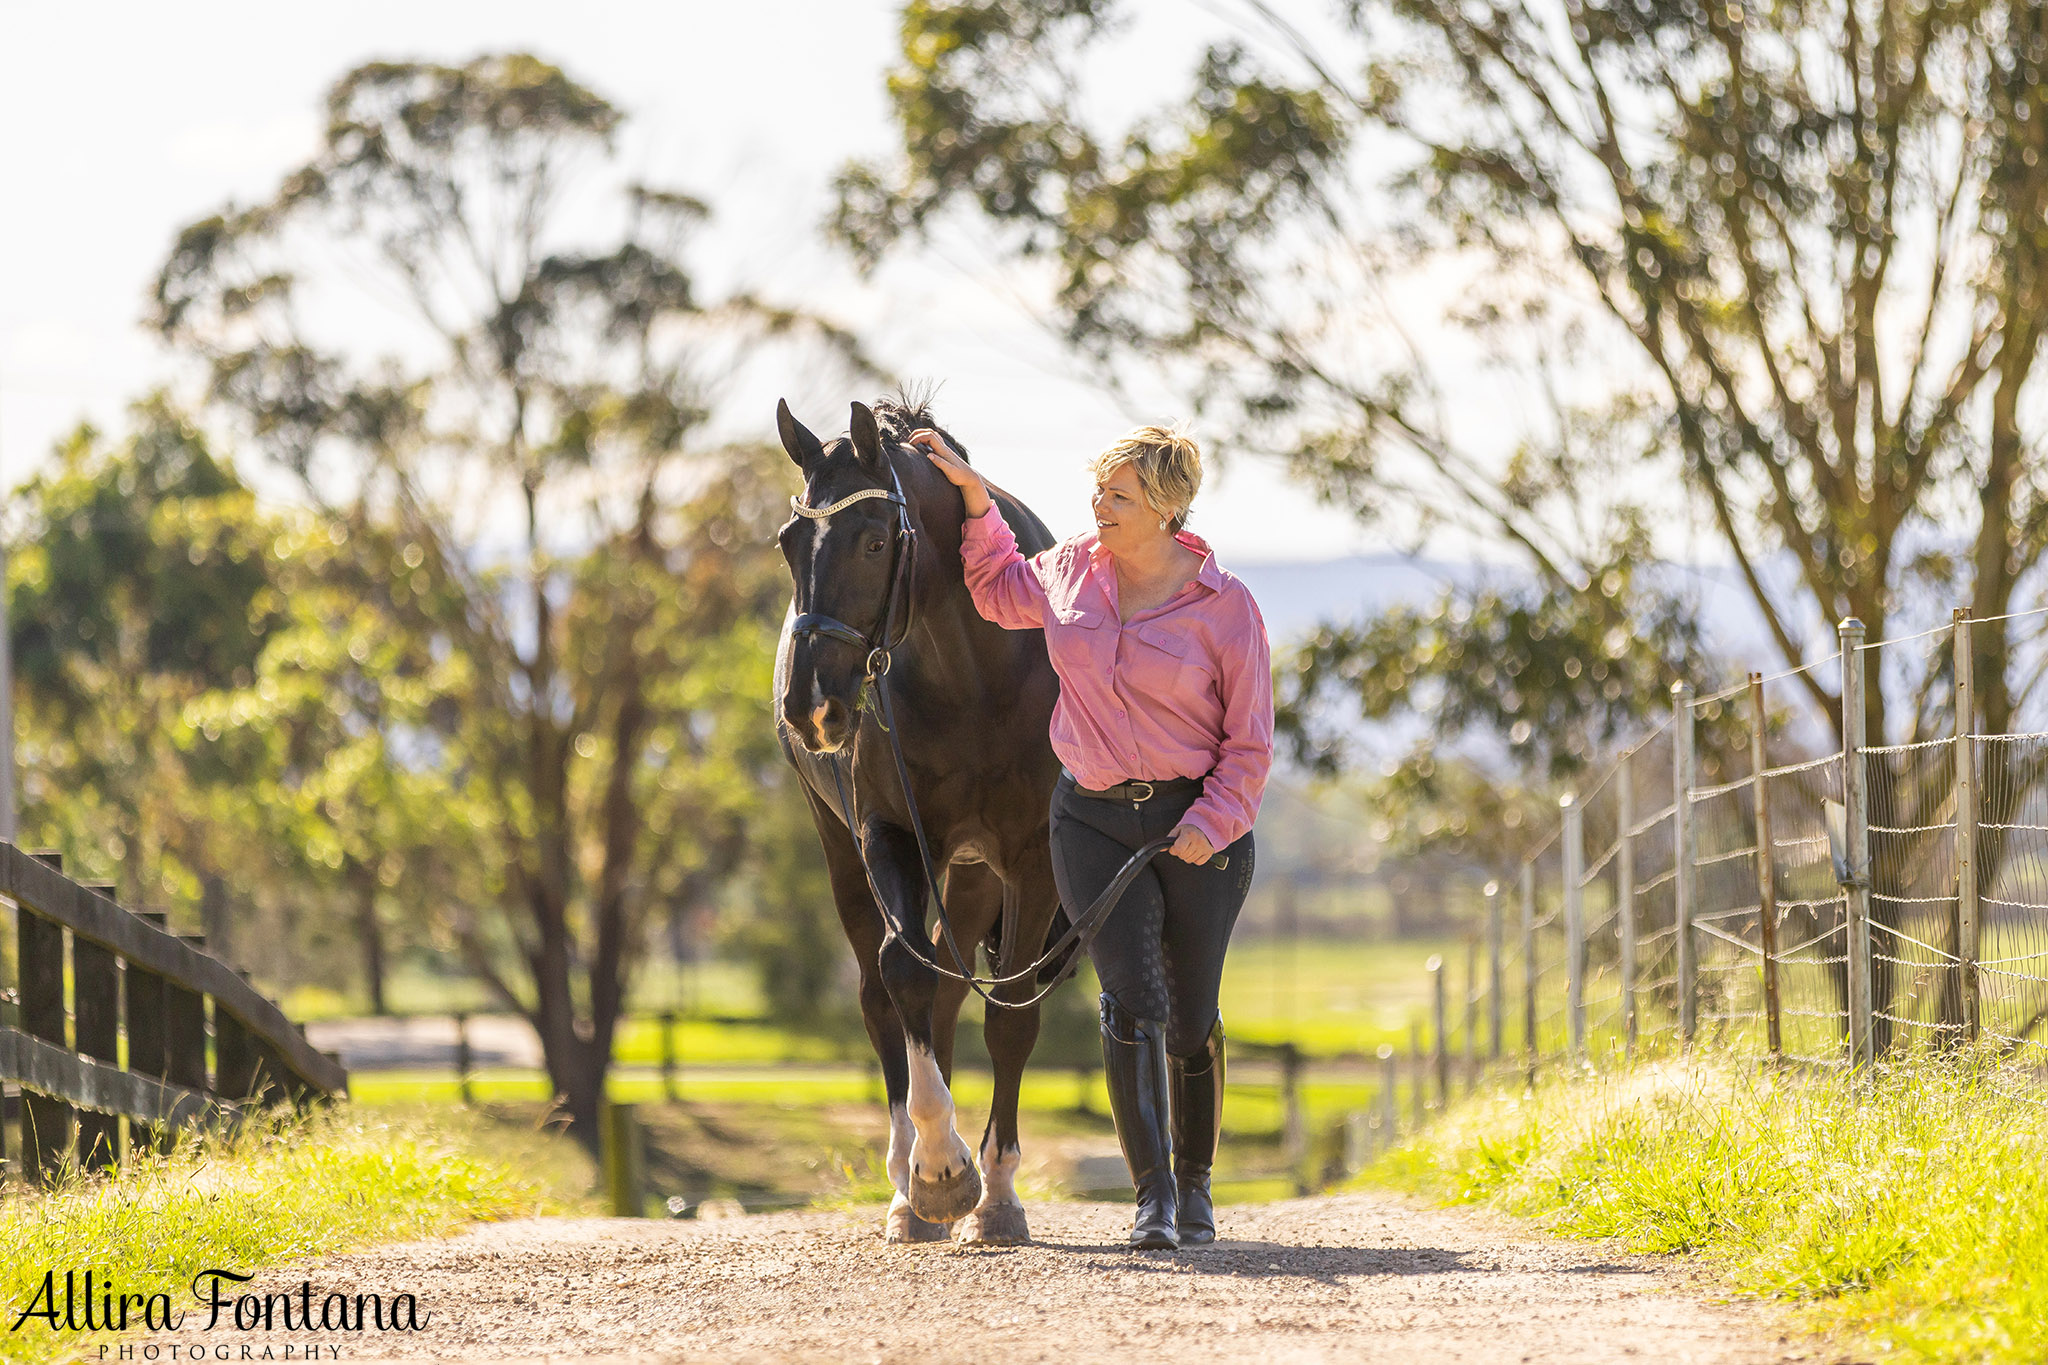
[873,548]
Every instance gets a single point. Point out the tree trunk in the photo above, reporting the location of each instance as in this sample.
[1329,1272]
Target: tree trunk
[371,934]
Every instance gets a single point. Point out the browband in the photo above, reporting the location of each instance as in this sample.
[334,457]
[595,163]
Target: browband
[847,501]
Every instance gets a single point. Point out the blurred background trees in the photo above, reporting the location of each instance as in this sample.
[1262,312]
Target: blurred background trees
[1777,270]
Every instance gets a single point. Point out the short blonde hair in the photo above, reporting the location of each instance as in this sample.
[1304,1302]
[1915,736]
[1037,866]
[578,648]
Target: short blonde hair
[1169,467]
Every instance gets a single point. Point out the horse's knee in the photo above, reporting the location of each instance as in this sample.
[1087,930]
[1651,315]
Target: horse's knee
[904,976]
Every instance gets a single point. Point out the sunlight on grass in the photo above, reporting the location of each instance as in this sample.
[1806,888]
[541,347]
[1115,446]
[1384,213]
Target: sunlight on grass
[1909,1208]
[278,1192]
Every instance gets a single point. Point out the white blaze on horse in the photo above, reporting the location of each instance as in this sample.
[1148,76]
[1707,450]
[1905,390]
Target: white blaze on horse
[879,603]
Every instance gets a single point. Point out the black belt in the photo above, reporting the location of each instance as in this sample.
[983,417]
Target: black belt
[1137,790]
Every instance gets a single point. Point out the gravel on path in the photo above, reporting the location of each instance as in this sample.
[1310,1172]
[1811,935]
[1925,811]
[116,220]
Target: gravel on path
[1335,1278]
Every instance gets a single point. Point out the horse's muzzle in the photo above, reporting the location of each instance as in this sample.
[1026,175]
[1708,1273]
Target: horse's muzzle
[823,728]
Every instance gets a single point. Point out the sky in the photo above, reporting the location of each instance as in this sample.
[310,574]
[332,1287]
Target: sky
[127,121]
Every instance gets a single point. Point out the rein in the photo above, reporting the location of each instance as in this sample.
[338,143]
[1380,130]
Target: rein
[880,642]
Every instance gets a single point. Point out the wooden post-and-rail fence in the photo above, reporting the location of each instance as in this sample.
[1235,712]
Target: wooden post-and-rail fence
[131,981]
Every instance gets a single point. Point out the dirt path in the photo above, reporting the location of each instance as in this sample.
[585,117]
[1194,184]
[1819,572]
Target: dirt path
[1352,1277]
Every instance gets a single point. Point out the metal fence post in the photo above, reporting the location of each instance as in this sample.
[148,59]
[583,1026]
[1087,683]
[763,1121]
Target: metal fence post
[1574,924]
[1856,800]
[1442,1055]
[1470,1025]
[1967,798]
[1531,977]
[1493,973]
[1390,1080]
[1418,1091]
[1685,851]
[1625,896]
[1766,868]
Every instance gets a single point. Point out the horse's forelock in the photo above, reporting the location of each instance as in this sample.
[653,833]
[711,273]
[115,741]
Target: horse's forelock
[898,417]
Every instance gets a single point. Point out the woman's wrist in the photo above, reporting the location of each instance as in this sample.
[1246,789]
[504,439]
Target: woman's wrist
[975,496]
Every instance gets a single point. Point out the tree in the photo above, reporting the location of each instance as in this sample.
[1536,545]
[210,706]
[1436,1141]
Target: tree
[139,580]
[533,431]
[1813,236]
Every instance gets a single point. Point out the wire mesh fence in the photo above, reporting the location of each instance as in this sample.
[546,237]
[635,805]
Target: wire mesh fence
[1822,891]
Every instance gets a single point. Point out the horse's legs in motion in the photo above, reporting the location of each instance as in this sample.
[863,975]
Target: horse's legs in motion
[1010,1035]
[943,1182]
[862,920]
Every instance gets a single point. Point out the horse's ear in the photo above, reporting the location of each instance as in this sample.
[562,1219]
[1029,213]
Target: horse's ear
[796,437]
[867,438]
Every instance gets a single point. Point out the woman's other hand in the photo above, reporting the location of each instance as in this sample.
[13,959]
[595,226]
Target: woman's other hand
[1191,845]
[958,472]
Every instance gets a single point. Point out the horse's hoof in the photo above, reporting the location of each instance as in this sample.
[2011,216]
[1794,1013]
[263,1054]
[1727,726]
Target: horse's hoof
[906,1226]
[995,1225]
[948,1198]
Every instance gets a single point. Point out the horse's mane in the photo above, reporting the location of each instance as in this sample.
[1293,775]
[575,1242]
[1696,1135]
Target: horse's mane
[911,410]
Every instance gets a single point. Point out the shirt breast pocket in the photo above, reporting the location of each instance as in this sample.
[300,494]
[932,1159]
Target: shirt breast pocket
[1164,660]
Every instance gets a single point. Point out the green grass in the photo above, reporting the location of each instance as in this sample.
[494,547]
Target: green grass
[348,1178]
[1908,1209]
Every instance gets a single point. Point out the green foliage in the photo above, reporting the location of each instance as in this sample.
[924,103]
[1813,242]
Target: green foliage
[1909,1208]
[140,579]
[554,585]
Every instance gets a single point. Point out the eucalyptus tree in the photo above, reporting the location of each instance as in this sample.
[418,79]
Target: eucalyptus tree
[459,324]
[1803,246]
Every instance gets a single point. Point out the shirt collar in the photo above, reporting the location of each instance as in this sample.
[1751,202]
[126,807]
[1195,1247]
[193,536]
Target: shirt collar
[1208,575]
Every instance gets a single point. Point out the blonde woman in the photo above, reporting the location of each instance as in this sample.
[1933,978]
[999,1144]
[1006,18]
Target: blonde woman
[1164,725]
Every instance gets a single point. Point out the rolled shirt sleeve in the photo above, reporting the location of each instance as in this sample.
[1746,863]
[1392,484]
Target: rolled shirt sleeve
[1230,795]
[1003,583]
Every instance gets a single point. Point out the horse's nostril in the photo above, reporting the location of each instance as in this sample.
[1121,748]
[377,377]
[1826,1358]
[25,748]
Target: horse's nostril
[828,719]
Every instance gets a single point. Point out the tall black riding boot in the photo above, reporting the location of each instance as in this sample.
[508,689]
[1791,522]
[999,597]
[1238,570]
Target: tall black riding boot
[1134,1067]
[1196,1084]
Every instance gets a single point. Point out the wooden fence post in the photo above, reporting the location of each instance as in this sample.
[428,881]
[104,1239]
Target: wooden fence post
[96,1024]
[46,1123]
[463,1059]
[1967,799]
[1574,837]
[1766,867]
[1532,977]
[668,1056]
[1625,896]
[624,1160]
[1856,800]
[1493,972]
[1685,851]
[143,1000]
[234,1057]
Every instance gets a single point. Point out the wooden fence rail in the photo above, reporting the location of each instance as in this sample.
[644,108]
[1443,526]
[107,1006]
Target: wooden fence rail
[130,981]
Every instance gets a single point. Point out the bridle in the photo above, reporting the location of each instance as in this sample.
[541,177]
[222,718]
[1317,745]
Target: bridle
[886,635]
[880,641]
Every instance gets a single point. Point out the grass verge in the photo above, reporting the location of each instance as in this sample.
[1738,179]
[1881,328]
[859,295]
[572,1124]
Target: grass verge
[1908,1208]
[279,1191]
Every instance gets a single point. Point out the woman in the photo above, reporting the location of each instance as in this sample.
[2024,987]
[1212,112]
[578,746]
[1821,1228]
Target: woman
[1164,725]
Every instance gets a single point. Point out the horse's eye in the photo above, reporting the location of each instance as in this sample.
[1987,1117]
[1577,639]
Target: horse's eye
[876,546]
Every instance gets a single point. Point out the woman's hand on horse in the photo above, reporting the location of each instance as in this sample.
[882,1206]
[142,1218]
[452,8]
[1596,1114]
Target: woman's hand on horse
[1191,845]
[957,471]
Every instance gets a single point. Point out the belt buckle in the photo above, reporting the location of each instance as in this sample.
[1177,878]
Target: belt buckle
[1135,798]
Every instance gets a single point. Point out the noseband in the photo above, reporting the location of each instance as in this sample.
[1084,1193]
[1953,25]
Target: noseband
[888,633]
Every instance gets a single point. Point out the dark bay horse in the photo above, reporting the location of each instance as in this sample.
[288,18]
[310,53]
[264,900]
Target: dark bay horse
[972,704]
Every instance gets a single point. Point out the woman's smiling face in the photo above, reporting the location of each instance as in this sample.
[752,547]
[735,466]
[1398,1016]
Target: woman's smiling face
[1123,519]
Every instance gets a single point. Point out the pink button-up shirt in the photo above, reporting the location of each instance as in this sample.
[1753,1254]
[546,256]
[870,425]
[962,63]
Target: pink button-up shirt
[1181,690]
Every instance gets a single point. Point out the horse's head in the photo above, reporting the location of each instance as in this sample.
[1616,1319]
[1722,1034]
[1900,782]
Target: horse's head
[848,546]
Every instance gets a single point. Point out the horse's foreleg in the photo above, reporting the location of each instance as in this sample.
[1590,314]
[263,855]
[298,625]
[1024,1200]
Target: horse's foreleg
[1011,1034]
[862,920]
[943,1183]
